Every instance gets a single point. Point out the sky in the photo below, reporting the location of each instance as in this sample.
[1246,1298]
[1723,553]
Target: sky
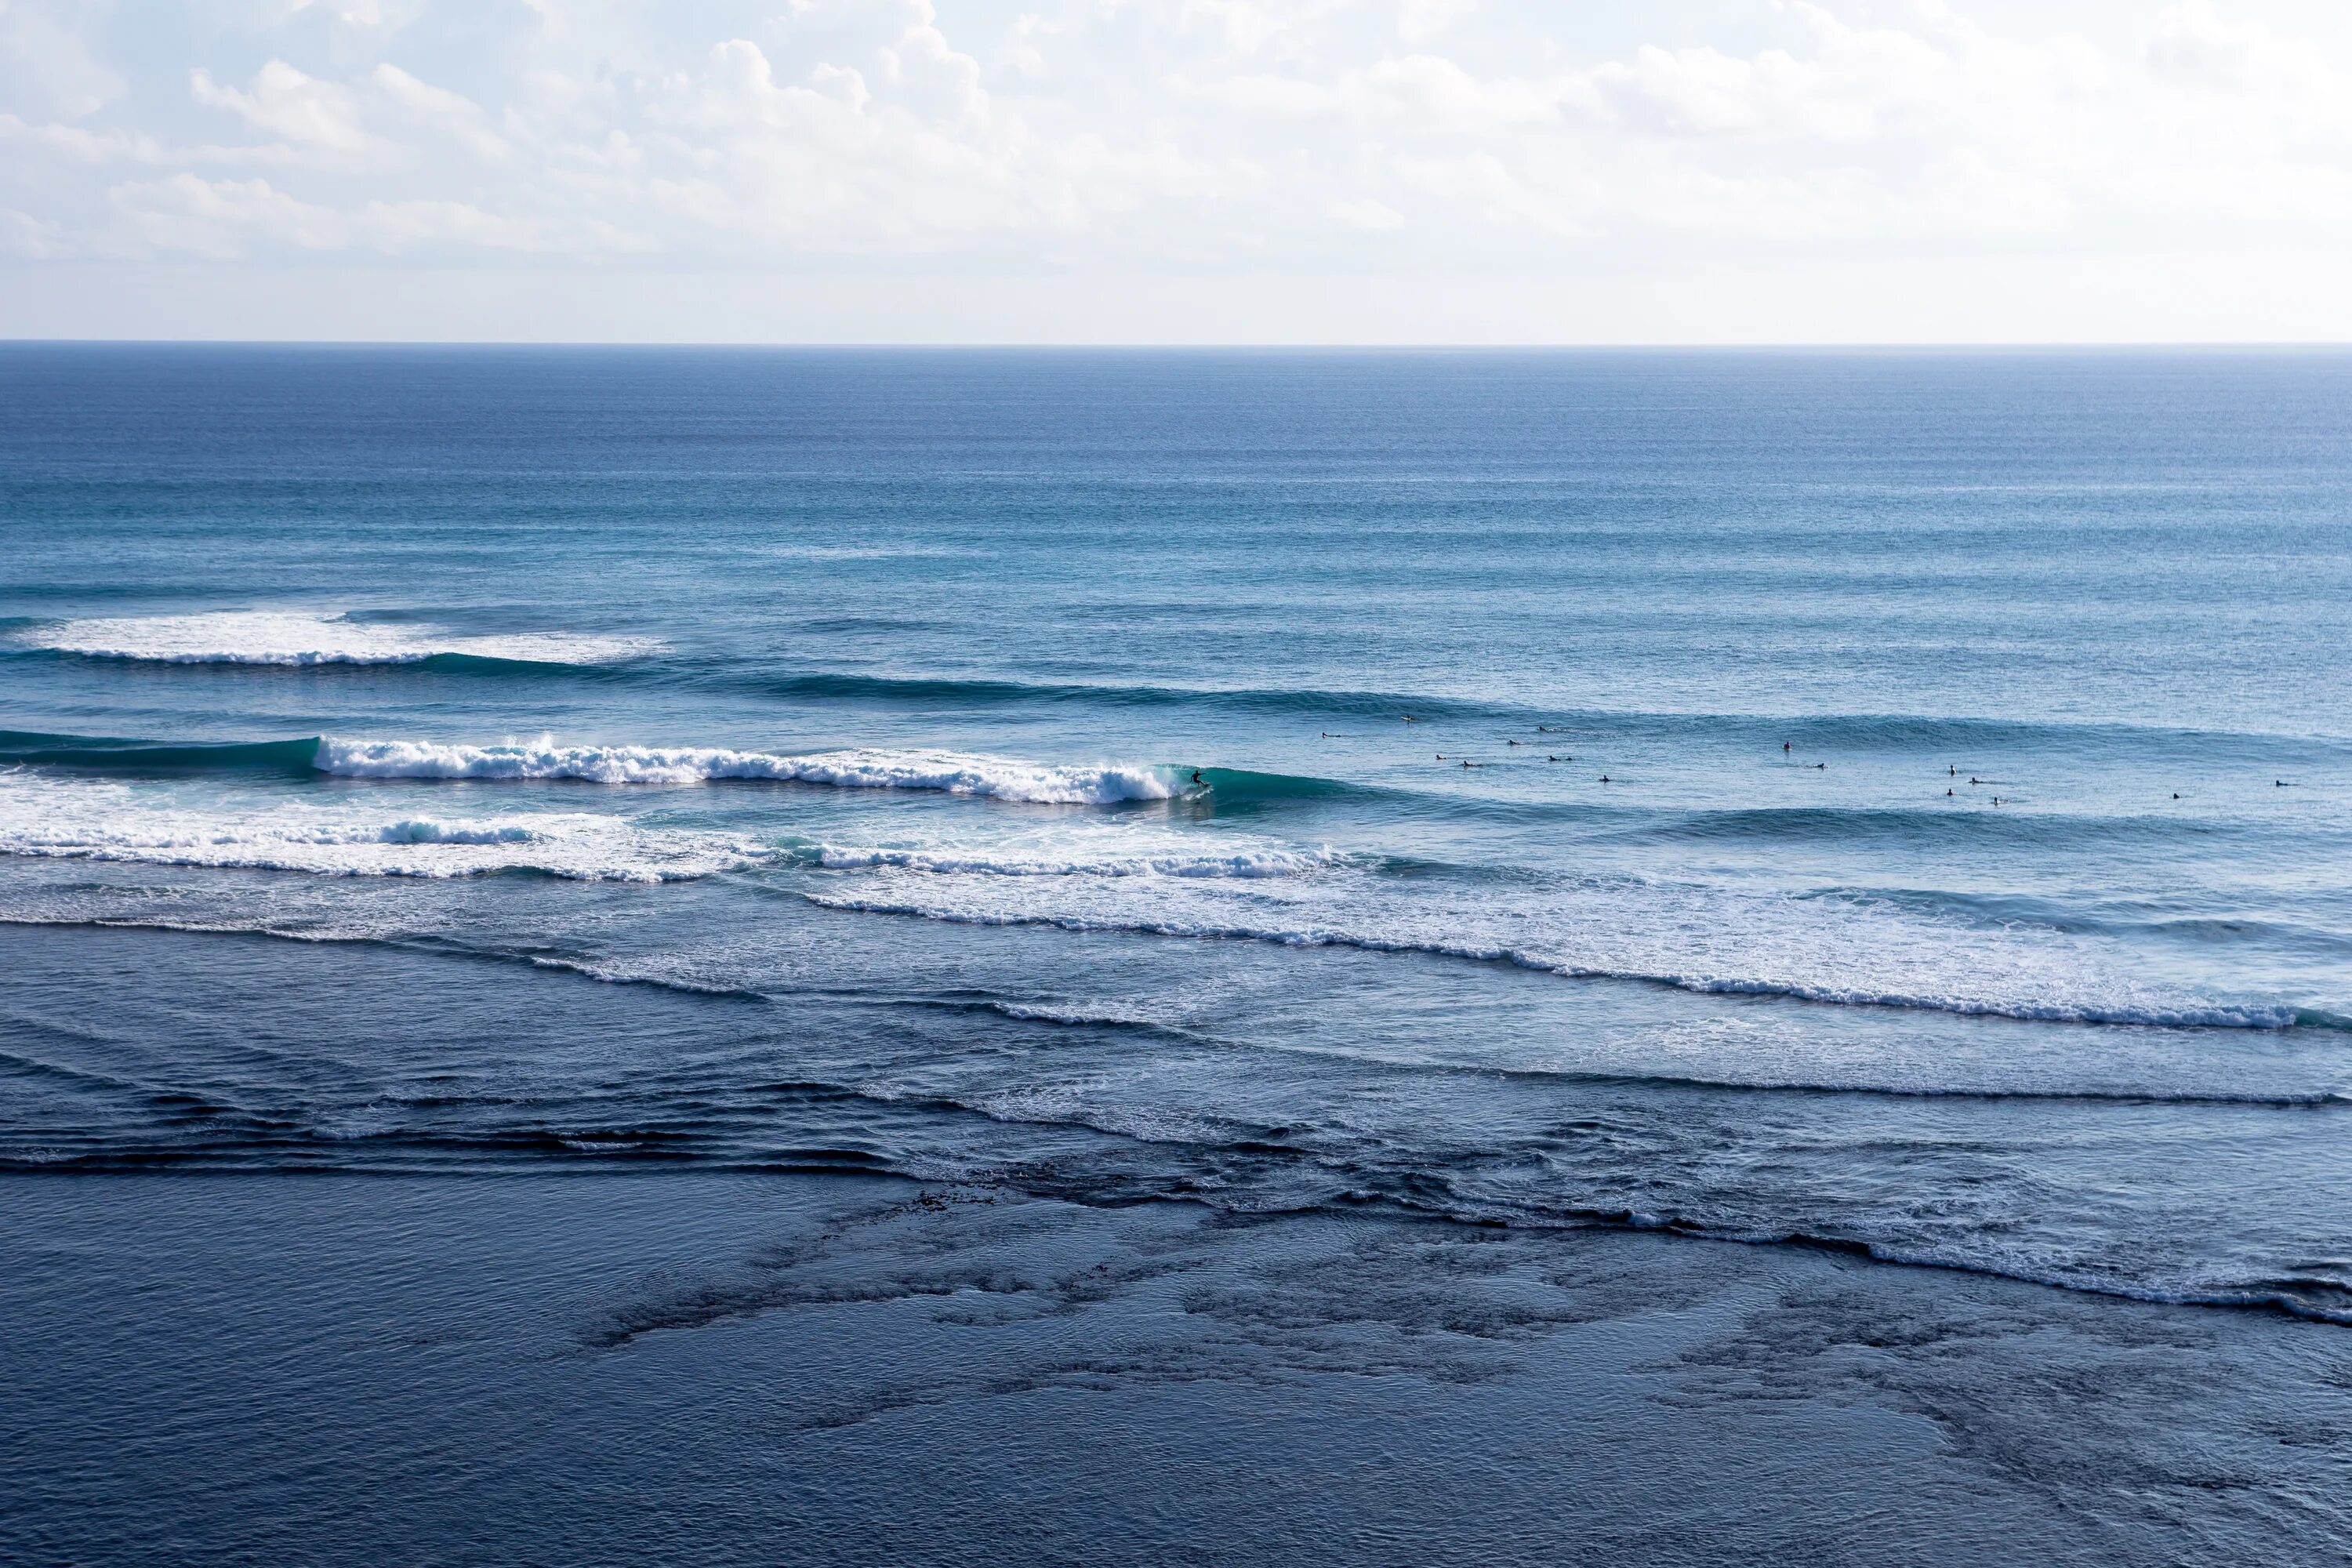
[1178,170]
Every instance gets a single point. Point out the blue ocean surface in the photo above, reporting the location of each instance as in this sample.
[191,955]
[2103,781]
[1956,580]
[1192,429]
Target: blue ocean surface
[1892,803]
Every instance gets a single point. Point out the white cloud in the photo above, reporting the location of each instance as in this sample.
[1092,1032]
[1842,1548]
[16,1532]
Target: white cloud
[34,239]
[225,219]
[1217,137]
[351,13]
[286,103]
[1365,214]
[439,108]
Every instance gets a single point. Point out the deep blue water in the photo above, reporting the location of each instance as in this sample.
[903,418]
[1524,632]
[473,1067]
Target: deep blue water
[1895,801]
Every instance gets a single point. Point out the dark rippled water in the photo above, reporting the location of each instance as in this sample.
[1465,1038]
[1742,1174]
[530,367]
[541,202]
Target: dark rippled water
[1890,801]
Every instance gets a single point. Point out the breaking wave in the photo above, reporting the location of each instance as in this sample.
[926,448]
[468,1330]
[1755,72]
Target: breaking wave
[949,773]
[288,639]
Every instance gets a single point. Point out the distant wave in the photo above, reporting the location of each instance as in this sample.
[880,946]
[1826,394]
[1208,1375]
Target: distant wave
[1820,731]
[946,772]
[292,639]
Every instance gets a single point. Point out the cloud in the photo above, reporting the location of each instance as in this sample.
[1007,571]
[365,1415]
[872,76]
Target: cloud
[437,108]
[30,239]
[225,219]
[1370,216]
[1200,134]
[287,104]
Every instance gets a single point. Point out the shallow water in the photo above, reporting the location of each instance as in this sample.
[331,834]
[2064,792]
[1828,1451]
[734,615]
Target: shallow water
[1049,769]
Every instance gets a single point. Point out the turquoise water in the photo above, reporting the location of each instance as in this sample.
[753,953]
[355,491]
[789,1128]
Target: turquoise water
[1893,801]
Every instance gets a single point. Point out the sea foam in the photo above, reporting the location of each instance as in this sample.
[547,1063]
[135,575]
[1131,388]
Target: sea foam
[1247,864]
[86,820]
[1712,941]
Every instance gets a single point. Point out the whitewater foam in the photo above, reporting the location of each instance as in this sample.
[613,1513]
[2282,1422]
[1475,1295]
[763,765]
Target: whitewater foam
[1245,864]
[87,820]
[292,638]
[948,773]
[1706,940]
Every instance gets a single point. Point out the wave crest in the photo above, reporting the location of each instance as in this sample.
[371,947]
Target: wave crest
[283,638]
[949,773]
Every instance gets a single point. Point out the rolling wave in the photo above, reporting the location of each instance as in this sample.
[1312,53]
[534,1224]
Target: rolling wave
[293,758]
[1958,734]
[293,639]
[945,771]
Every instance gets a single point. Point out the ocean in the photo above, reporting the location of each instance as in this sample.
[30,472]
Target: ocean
[1875,813]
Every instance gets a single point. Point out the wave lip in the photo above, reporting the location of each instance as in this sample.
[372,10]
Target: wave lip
[293,639]
[946,772]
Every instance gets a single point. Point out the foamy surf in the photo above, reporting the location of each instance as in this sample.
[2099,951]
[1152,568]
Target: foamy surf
[48,819]
[290,638]
[1245,865]
[1705,941]
[949,773]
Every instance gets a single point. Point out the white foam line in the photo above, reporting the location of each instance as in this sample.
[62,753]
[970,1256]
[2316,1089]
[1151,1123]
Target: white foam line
[1245,865]
[2210,1017]
[279,637]
[46,819]
[945,771]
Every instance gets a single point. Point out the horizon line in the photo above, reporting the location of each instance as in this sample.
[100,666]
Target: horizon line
[1144,345]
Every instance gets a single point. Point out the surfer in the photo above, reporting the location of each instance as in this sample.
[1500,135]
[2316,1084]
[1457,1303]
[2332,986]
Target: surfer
[1197,778]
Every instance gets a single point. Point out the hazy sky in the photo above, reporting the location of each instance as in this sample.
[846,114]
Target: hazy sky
[1177,171]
